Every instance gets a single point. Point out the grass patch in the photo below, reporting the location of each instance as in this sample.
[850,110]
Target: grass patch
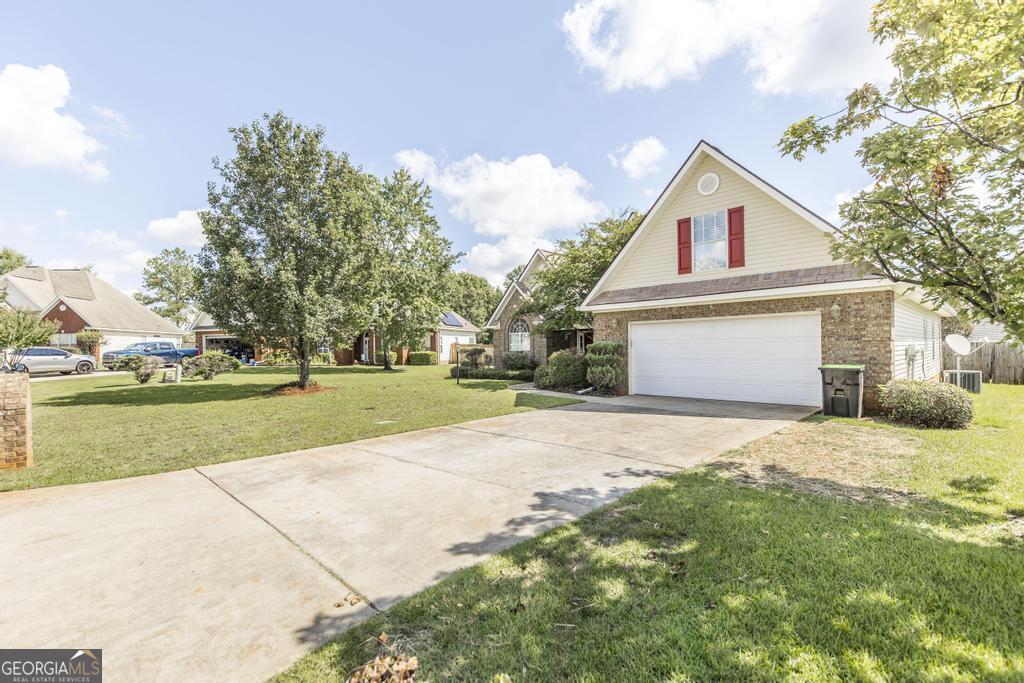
[107,427]
[835,550]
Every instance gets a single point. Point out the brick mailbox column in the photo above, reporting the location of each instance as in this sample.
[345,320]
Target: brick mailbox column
[15,421]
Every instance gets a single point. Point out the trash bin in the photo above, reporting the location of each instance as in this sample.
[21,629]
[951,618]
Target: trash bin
[842,390]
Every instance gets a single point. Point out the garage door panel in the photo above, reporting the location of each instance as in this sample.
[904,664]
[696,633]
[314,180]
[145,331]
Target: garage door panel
[770,359]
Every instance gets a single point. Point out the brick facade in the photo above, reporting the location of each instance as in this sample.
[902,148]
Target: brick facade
[70,322]
[538,342]
[15,421]
[863,334]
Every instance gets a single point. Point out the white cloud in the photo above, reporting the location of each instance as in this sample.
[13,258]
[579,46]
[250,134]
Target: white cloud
[525,196]
[842,198]
[113,256]
[811,46]
[61,214]
[493,260]
[183,228]
[639,158]
[113,122]
[34,132]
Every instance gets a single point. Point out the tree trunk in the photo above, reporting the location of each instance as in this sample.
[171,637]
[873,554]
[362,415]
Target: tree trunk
[385,348]
[303,367]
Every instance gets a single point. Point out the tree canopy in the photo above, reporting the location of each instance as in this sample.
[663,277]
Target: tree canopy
[945,145]
[575,268]
[472,296]
[288,252]
[412,261]
[11,260]
[20,329]
[169,285]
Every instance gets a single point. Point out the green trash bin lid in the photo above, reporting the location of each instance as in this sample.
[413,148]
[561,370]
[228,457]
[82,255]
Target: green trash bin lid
[840,366]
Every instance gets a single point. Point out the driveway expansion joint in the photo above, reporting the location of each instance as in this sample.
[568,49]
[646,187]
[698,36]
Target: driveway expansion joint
[330,572]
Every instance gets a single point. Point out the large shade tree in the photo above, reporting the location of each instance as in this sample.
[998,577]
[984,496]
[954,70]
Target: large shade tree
[169,285]
[412,263]
[288,252]
[945,145]
[11,260]
[472,296]
[575,268]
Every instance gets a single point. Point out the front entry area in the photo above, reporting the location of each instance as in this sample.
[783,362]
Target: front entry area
[761,359]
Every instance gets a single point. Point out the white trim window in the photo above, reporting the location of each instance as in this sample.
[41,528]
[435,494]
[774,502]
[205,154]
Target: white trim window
[710,242]
[518,336]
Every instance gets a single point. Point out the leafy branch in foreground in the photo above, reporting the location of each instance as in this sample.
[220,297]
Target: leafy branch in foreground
[944,145]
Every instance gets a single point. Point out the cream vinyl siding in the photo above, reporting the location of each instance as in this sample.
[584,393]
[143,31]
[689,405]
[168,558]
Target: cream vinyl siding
[775,238]
[915,325]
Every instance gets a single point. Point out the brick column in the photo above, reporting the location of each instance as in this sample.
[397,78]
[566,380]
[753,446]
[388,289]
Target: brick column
[15,421]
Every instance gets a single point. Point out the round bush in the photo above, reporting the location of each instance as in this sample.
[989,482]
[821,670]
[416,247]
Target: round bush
[210,364]
[926,404]
[606,366]
[518,360]
[541,378]
[567,369]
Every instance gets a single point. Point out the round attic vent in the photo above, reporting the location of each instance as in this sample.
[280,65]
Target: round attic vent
[708,183]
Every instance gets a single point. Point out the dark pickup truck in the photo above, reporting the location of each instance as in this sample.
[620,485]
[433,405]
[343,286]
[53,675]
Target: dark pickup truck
[165,351]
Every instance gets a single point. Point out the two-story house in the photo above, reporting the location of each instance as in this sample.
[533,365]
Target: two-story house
[728,290]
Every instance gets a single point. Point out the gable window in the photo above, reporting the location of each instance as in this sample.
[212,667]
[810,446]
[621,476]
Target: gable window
[518,336]
[710,248]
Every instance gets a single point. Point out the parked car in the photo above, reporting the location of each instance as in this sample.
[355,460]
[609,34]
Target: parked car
[165,351]
[49,359]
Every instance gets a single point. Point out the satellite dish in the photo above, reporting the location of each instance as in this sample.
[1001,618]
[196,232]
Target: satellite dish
[959,344]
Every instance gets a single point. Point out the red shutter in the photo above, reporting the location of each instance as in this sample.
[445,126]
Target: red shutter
[685,245]
[736,237]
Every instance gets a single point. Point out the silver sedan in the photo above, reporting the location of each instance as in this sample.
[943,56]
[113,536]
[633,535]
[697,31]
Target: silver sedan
[49,359]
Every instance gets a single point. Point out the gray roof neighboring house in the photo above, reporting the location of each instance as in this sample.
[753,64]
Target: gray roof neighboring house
[994,332]
[453,321]
[101,305]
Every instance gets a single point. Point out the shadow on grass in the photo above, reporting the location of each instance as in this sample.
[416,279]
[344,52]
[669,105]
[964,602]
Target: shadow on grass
[701,578]
[155,394]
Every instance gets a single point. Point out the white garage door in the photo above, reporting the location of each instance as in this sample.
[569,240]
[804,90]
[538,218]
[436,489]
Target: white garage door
[764,359]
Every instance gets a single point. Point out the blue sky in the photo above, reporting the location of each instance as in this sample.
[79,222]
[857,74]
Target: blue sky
[526,118]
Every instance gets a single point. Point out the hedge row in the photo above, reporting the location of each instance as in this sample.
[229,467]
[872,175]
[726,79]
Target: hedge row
[491,373]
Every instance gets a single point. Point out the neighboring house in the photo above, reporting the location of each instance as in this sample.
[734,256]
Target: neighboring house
[212,337]
[452,329]
[366,348]
[987,331]
[727,290]
[515,332]
[79,301]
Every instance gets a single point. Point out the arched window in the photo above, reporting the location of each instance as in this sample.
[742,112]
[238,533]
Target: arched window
[518,336]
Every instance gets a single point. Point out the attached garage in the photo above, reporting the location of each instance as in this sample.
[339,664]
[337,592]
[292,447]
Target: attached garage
[761,359]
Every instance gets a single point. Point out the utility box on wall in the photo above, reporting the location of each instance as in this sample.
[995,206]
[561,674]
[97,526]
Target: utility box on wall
[15,421]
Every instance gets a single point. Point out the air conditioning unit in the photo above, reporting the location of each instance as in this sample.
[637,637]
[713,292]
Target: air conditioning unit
[965,379]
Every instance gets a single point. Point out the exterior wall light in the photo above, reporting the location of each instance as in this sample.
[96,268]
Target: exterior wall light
[836,310]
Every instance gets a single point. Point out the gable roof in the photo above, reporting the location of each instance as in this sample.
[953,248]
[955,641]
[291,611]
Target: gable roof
[540,257]
[100,304]
[702,149]
[454,321]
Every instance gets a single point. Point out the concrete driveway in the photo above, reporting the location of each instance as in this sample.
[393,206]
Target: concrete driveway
[232,571]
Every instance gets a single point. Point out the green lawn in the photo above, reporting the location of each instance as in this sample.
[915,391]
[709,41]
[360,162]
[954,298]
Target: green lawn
[106,427]
[834,550]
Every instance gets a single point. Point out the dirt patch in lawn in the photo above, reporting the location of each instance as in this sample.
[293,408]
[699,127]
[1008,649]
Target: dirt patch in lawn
[293,389]
[826,458]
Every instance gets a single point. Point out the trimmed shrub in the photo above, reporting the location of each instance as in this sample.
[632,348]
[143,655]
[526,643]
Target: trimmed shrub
[567,369]
[210,364]
[422,358]
[473,357]
[926,404]
[392,354]
[144,367]
[541,377]
[87,341]
[491,373]
[276,357]
[606,365]
[322,359]
[518,360]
